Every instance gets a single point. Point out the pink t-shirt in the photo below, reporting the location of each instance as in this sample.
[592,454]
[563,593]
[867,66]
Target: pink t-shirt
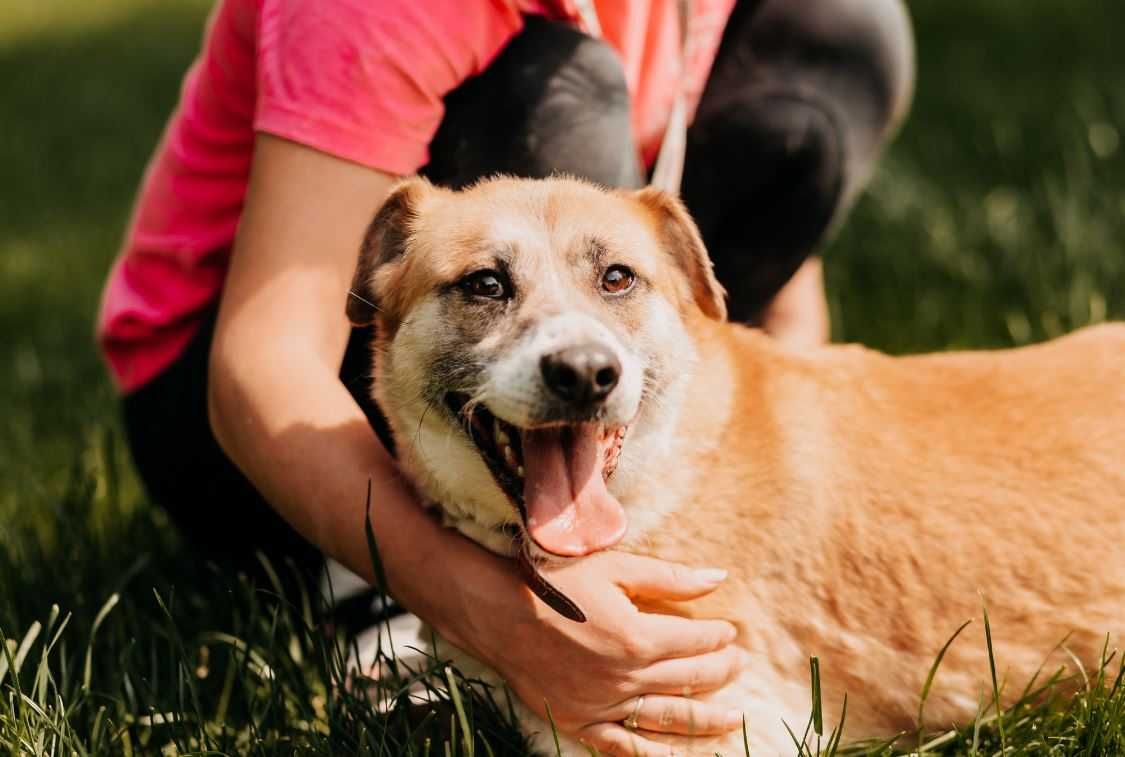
[359,79]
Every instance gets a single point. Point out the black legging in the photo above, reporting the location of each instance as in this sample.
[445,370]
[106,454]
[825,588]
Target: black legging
[801,97]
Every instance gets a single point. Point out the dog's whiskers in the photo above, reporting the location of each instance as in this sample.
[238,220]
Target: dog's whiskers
[475,399]
[421,420]
[518,540]
[365,301]
[416,439]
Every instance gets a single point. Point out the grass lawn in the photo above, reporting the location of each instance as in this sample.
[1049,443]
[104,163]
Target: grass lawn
[998,218]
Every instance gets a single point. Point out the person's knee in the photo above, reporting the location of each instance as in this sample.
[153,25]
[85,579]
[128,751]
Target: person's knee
[802,99]
[782,179]
[841,73]
[554,100]
[855,56]
[578,106]
[852,57]
[553,57]
[876,41]
[805,140]
[595,75]
[780,146]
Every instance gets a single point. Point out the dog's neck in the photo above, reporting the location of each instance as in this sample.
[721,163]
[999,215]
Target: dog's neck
[729,433]
[660,476]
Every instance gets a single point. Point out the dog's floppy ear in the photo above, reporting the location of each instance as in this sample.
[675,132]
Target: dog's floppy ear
[680,238]
[384,242]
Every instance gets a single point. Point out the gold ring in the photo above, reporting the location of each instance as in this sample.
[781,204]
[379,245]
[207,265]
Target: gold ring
[631,721]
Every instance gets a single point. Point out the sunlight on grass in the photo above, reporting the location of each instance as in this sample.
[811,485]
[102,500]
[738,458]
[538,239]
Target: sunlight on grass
[23,20]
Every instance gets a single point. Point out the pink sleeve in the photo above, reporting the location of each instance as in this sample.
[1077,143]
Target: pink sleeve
[364,79]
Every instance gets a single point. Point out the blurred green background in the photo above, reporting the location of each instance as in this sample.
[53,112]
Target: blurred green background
[997,218]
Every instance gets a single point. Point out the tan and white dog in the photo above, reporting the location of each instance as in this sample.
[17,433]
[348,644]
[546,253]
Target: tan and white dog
[558,373]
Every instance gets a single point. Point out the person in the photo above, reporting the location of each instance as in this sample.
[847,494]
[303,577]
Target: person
[246,396]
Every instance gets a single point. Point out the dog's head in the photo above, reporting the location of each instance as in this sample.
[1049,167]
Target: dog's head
[533,346]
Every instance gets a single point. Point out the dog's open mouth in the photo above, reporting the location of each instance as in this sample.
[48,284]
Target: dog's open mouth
[556,479]
[555,476]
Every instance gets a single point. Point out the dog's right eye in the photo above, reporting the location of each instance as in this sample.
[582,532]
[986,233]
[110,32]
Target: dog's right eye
[489,284]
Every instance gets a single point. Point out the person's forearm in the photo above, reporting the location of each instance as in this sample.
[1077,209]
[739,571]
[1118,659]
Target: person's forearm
[303,441]
[276,402]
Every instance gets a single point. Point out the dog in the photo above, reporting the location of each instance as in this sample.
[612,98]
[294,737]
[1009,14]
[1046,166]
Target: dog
[557,370]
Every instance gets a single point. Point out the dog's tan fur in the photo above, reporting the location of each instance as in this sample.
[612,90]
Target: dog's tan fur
[864,505]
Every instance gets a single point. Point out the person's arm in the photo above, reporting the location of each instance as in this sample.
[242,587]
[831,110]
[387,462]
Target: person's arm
[280,412]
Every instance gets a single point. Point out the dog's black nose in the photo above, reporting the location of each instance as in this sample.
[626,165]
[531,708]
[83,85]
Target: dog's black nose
[584,374]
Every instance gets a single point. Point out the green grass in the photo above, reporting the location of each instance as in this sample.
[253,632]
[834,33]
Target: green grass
[996,219]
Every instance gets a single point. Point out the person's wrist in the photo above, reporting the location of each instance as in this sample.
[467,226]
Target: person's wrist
[487,588]
[461,591]
[466,593]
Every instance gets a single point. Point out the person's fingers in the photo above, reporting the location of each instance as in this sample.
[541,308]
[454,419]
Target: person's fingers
[688,676]
[657,579]
[661,637]
[678,715]
[615,740]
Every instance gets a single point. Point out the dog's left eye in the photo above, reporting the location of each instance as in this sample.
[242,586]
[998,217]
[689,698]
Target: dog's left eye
[488,284]
[618,279]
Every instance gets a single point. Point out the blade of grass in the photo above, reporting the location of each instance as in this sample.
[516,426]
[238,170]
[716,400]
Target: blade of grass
[1079,667]
[995,682]
[87,668]
[43,675]
[838,731]
[800,744]
[554,728]
[23,649]
[458,705]
[817,715]
[930,677]
[380,574]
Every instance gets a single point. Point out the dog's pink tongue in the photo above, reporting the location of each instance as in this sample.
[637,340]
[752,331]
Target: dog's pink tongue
[569,510]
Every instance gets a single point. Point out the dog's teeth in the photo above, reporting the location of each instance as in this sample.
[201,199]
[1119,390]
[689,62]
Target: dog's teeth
[509,457]
[519,471]
[498,432]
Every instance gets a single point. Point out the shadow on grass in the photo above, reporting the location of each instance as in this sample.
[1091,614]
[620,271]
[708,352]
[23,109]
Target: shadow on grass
[83,109]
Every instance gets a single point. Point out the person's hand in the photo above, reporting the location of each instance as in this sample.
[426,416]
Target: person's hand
[592,673]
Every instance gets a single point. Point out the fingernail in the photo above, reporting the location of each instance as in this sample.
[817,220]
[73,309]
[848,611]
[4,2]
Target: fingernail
[711,575]
[734,718]
[732,634]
